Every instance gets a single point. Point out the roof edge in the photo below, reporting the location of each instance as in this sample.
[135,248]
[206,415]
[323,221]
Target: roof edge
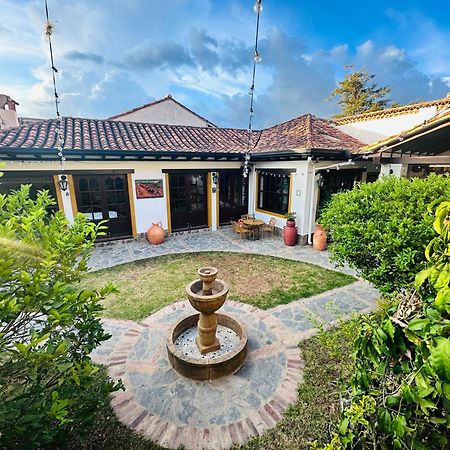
[389,112]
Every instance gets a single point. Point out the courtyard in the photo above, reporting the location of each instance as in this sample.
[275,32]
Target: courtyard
[282,294]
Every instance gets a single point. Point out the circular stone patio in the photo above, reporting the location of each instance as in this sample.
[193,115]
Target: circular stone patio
[175,411]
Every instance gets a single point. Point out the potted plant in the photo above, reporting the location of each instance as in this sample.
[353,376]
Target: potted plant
[290,233]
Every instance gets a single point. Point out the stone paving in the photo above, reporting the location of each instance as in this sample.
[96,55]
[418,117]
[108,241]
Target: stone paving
[175,411]
[221,240]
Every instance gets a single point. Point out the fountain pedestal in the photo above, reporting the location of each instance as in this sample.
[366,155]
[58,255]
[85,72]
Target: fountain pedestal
[207,295]
[206,339]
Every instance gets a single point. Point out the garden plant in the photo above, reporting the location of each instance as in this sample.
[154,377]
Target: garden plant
[400,392]
[381,229]
[48,384]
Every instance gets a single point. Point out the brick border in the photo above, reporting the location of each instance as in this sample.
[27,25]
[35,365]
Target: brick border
[171,435]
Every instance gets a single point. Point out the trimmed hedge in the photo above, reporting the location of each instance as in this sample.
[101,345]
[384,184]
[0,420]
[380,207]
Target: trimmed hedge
[381,228]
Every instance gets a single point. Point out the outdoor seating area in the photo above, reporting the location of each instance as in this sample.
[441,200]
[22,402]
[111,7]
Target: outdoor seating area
[253,229]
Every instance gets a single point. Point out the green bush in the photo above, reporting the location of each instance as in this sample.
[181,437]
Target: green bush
[381,229]
[400,394]
[48,383]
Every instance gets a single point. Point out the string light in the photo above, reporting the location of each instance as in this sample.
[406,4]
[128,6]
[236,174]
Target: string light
[257,8]
[49,28]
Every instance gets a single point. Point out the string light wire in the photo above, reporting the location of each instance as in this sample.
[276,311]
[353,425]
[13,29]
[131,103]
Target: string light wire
[257,8]
[58,129]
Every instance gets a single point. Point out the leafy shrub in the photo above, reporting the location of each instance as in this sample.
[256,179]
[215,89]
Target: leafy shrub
[381,229]
[401,388]
[47,328]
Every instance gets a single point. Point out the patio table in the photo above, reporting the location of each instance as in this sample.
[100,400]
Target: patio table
[253,225]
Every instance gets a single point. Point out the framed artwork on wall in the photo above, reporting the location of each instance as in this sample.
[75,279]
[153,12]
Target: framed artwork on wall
[149,188]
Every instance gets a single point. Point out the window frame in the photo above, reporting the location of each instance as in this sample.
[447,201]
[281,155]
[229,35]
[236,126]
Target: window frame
[262,194]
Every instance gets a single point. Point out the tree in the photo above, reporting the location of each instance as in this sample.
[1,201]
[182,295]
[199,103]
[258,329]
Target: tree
[48,327]
[359,94]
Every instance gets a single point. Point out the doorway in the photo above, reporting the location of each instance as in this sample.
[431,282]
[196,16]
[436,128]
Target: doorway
[233,196]
[188,201]
[105,197]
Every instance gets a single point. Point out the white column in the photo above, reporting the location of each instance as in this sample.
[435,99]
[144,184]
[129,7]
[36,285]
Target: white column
[398,170]
[214,211]
[67,201]
[252,191]
[304,195]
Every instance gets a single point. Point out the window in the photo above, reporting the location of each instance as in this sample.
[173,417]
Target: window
[273,191]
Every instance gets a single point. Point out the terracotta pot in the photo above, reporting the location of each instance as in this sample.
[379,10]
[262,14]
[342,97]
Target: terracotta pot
[156,234]
[290,233]
[319,239]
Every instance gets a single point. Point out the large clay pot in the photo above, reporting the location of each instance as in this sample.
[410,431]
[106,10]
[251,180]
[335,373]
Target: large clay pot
[156,234]
[319,239]
[290,233]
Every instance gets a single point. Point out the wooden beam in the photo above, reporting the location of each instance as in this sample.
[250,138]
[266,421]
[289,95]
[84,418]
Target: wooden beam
[416,160]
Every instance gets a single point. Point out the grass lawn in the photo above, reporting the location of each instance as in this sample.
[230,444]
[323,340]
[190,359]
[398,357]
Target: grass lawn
[328,366]
[264,281]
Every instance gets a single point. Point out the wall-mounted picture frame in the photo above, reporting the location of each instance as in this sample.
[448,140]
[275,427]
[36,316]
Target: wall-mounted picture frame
[149,188]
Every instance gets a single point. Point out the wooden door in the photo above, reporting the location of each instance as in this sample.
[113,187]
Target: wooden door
[188,201]
[233,196]
[105,197]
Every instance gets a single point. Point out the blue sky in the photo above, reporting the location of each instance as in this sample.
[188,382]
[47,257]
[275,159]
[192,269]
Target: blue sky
[113,55]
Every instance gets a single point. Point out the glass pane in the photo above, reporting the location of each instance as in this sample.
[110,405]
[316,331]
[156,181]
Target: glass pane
[93,184]
[83,184]
[119,183]
[109,183]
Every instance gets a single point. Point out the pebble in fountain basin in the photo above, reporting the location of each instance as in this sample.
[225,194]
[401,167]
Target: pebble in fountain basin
[207,345]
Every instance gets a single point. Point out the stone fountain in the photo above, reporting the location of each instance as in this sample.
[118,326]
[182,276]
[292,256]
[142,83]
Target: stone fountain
[207,345]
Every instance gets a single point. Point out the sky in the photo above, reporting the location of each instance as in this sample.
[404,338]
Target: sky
[113,55]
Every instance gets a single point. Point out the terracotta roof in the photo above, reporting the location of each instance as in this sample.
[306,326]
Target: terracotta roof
[155,102]
[391,112]
[297,135]
[305,133]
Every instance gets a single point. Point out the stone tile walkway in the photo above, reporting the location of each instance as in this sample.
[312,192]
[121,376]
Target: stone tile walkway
[175,411]
[221,240]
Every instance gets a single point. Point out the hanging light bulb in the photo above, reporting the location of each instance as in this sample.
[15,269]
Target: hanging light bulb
[258,7]
[256,57]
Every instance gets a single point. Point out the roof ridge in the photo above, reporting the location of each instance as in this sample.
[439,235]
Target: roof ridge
[156,102]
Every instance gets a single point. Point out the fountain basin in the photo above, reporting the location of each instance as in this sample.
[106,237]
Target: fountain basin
[209,303]
[207,368]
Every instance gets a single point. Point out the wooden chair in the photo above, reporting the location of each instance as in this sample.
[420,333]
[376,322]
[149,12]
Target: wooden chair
[246,216]
[242,231]
[269,227]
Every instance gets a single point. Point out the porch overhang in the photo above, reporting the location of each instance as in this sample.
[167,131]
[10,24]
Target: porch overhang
[428,140]
[33,154]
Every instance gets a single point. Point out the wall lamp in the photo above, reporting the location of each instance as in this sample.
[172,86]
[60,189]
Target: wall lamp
[63,183]
[215,180]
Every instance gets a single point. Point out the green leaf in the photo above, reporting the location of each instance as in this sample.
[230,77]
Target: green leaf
[384,420]
[343,426]
[440,358]
[399,426]
[421,277]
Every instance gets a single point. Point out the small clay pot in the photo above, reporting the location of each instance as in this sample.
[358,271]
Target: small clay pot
[319,239]
[290,233]
[156,234]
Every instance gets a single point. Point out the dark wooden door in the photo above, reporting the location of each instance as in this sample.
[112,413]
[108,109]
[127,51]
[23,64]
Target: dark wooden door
[188,201]
[233,196]
[105,197]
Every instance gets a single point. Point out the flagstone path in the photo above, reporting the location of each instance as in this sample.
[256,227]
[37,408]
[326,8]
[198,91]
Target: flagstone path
[175,411]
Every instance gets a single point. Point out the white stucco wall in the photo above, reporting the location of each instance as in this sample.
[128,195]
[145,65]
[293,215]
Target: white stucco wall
[300,192]
[167,112]
[371,131]
[148,210]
